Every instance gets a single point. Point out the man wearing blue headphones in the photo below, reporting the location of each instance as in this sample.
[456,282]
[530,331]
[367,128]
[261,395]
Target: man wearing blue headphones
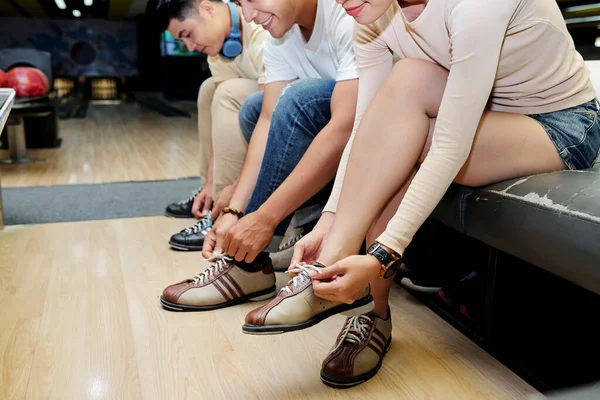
[234,48]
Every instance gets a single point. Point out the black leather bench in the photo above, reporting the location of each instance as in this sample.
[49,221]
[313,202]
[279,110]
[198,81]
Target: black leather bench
[536,244]
[550,220]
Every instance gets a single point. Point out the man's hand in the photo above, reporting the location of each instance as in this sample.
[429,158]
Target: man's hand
[213,242]
[249,236]
[223,200]
[202,202]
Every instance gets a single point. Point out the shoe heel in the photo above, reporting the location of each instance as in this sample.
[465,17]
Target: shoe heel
[359,310]
[265,296]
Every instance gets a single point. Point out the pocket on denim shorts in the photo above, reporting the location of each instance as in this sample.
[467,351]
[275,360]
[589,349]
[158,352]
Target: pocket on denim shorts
[575,132]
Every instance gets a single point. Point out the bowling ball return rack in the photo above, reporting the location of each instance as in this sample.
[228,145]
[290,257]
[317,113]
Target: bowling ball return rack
[40,106]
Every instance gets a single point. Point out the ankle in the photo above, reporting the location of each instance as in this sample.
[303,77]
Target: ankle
[381,310]
[260,262]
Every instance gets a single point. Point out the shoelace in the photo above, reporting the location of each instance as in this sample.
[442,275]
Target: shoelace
[355,330]
[204,224]
[218,263]
[302,271]
[291,241]
[191,198]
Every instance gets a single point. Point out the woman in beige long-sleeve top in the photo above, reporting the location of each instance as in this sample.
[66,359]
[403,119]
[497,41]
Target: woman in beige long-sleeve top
[486,90]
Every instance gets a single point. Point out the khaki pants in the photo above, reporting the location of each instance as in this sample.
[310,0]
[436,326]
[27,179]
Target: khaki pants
[219,129]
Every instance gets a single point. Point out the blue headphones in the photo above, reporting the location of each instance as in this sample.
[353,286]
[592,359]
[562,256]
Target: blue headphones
[232,47]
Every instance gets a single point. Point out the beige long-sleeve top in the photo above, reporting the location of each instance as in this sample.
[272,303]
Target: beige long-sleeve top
[508,55]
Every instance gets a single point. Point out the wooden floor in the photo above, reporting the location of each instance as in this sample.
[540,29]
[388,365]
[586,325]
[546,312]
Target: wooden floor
[113,144]
[81,318]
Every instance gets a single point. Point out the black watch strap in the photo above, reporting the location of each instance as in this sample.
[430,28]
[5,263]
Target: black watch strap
[381,254]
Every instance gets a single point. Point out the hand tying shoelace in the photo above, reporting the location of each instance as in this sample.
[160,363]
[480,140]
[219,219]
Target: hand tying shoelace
[200,226]
[302,271]
[218,262]
[355,330]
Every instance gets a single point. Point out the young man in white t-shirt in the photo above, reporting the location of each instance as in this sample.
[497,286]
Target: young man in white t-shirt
[208,26]
[297,130]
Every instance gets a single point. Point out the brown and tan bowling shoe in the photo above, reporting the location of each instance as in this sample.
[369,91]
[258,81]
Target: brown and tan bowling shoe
[297,307]
[358,351]
[223,284]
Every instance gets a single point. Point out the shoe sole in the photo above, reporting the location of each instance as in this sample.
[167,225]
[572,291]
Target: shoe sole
[359,307]
[184,247]
[346,383]
[257,296]
[407,283]
[168,214]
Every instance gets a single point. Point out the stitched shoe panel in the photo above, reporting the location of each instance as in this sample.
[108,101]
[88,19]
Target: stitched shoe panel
[297,307]
[221,285]
[358,351]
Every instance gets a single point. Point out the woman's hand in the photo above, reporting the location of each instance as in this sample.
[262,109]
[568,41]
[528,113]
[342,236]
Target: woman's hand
[345,281]
[308,249]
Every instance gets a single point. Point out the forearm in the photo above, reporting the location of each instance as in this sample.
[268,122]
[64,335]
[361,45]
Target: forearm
[256,150]
[315,170]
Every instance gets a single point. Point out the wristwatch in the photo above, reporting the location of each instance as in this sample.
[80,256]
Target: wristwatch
[386,259]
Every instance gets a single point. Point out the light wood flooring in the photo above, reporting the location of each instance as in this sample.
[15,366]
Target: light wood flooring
[112,144]
[81,318]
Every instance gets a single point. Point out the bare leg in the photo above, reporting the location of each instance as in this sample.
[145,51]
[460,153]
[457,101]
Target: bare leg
[394,138]
[380,288]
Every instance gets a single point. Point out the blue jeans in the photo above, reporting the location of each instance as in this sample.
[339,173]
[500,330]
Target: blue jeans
[575,132]
[302,111]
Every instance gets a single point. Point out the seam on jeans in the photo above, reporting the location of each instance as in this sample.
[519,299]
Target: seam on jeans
[287,145]
[585,134]
[558,144]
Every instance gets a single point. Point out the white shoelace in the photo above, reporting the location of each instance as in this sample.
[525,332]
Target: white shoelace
[302,271]
[191,198]
[355,330]
[291,241]
[203,226]
[218,263]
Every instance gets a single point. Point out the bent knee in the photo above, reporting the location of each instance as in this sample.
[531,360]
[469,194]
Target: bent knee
[304,91]
[206,92]
[251,107]
[249,114]
[228,89]
[419,83]
[417,75]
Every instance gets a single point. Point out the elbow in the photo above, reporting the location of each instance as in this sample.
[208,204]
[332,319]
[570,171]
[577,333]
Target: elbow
[343,130]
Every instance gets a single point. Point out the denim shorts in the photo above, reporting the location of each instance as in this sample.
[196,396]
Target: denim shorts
[575,132]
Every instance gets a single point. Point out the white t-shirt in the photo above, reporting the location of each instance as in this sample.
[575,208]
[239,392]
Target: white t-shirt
[328,54]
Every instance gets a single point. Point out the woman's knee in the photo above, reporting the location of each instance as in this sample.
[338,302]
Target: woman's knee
[420,82]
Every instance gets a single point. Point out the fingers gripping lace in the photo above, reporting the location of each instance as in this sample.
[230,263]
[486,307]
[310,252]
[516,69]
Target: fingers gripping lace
[202,226]
[218,263]
[302,271]
[355,330]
